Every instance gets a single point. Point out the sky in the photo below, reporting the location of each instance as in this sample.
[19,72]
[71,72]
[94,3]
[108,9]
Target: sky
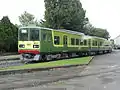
[101,13]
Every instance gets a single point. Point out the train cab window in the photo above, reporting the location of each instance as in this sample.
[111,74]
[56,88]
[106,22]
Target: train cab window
[44,37]
[56,40]
[85,42]
[81,42]
[77,41]
[34,34]
[72,41]
[106,45]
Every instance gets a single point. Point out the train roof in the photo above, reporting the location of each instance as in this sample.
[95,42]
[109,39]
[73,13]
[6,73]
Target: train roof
[61,30]
[90,37]
[70,31]
[64,30]
[87,37]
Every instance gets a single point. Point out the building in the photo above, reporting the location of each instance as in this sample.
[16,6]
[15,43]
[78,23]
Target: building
[117,42]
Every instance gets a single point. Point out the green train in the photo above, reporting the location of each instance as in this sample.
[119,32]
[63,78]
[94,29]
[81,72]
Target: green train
[41,44]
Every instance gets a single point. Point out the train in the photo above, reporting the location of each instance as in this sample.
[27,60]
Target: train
[42,44]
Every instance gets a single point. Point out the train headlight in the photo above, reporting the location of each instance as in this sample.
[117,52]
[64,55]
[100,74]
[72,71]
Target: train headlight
[35,46]
[21,46]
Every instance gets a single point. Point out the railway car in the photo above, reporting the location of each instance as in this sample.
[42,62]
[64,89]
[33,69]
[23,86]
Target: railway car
[40,44]
[96,45]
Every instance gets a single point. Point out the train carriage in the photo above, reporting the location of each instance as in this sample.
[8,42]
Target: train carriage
[97,45]
[37,43]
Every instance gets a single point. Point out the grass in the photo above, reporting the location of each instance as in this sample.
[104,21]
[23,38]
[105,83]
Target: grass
[83,60]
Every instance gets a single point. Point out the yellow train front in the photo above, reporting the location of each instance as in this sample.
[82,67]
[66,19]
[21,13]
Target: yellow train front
[29,43]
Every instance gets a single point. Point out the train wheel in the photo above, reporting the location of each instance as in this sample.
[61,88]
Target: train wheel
[44,58]
[69,55]
[103,52]
[80,54]
[58,57]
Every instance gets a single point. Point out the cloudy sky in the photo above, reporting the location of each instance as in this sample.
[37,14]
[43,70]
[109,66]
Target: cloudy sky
[101,13]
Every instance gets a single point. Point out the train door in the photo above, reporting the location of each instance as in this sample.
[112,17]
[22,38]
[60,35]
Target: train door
[65,41]
[89,43]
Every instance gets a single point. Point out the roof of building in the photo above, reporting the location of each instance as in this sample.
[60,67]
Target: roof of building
[117,37]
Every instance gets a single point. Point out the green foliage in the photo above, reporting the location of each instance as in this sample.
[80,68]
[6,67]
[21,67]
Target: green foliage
[8,35]
[67,14]
[26,18]
[99,32]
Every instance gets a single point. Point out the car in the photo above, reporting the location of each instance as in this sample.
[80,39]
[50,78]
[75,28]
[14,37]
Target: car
[42,44]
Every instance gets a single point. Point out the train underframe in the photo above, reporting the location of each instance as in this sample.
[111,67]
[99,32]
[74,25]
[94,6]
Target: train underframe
[28,57]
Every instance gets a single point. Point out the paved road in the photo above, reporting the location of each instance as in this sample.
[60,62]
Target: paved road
[102,74]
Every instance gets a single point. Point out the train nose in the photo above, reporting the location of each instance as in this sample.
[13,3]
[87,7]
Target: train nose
[29,57]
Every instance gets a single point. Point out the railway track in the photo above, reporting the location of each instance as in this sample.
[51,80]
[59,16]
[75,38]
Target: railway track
[17,62]
[8,63]
[9,57]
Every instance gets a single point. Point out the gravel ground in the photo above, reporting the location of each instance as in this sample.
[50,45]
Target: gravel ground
[9,57]
[101,74]
[37,78]
[7,63]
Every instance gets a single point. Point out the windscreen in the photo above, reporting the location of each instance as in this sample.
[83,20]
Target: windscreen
[29,34]
[23,34]
[34,34]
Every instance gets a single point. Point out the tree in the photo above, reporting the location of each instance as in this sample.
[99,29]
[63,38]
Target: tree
[67,14]
[99,32]
[88,27]
[26,18]
[8,35]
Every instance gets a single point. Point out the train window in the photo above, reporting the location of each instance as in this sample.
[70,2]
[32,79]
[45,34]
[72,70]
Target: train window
[106,45]
[34,34]
[85,42]
[77,41]
[23,34]
[44,36]
[81,43]
[95,43]
[72,41]
[56,40]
